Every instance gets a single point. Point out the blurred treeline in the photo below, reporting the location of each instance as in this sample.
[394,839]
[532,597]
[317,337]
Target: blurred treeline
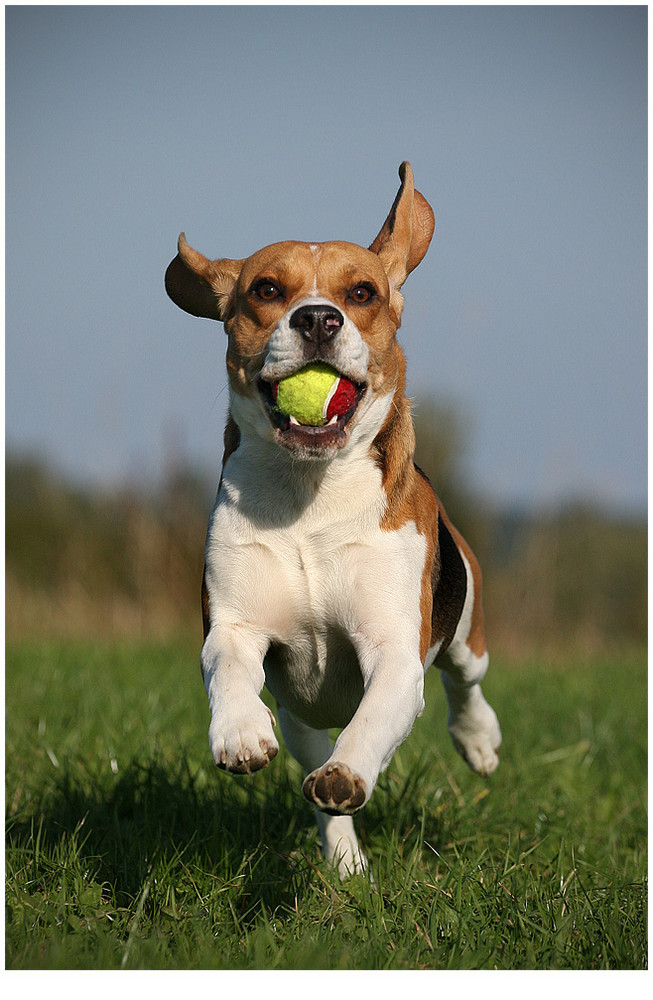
[129,563]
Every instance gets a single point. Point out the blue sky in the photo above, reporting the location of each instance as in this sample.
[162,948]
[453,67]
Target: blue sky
[526,129]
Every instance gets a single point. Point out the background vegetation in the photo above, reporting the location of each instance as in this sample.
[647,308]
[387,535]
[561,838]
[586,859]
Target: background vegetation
[126,849]
[129,563]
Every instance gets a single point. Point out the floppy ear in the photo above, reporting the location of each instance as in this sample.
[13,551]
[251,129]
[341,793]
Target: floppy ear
[406,233]
[201,286]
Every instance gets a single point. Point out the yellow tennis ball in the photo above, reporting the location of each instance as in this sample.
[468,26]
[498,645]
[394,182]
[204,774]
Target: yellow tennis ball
[305,395]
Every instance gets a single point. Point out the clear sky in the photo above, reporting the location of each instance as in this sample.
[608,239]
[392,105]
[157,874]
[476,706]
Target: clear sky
[526,130]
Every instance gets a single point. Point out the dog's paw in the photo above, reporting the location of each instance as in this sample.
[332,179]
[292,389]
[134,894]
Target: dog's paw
[476,736]
[246,743]
[335,788]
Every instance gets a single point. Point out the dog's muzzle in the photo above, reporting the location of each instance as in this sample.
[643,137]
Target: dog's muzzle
[317,324]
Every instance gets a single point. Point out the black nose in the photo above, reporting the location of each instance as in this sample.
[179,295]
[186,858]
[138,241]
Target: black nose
[318,323]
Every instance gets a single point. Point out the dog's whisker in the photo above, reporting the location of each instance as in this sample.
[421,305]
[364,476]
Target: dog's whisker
[224,388]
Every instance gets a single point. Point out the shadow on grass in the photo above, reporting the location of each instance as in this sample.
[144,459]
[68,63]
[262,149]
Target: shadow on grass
[166,817]
[253,834]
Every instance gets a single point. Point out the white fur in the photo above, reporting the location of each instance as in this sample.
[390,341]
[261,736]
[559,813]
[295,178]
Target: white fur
[307,570]
[285,349]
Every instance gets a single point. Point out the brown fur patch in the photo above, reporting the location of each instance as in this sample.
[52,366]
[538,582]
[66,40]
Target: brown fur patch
[412,498]
[297,269]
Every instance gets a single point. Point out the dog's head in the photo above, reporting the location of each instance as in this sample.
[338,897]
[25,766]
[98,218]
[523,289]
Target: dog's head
[294,303]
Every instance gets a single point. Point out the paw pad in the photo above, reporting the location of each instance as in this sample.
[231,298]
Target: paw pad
[336,789]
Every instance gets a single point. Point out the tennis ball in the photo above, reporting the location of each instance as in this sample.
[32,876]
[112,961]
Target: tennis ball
[314,395]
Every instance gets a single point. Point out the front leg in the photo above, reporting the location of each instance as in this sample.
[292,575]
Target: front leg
[310,747]
[240,732]
[392,699]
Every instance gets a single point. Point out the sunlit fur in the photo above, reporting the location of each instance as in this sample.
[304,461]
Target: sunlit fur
[325,567]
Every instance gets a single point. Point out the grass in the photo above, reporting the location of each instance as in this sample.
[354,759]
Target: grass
[126,849]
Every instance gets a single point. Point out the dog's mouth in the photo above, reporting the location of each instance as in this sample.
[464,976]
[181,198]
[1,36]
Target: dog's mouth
[309,432]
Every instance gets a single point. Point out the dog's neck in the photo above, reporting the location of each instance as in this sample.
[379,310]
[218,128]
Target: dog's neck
[272,487]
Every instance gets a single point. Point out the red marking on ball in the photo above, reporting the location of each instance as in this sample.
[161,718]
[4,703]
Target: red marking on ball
[342,400]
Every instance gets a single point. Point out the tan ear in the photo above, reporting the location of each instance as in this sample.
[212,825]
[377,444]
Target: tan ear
[201,286]
[406,233]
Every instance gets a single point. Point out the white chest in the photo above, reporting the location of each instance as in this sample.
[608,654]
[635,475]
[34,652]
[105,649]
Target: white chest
[317,581]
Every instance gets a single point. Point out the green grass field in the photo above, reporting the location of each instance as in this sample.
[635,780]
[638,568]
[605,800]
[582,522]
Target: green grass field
[127,849]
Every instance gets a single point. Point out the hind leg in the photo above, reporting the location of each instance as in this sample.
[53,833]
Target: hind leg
[473,725]
[311,748]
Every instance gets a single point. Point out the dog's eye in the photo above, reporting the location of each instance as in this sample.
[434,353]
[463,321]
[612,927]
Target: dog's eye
[362,293]
[266,290]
